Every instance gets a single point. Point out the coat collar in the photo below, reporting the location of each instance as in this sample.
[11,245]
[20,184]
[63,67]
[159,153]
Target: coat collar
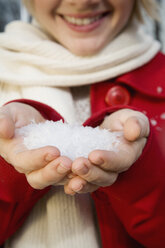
[148,79]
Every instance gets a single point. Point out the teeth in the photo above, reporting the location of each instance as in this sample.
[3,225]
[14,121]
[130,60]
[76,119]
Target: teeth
[81,21]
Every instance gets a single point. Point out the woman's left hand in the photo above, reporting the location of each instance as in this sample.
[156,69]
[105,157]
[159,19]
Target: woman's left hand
[102,167]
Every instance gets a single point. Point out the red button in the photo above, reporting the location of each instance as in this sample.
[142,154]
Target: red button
[117,95]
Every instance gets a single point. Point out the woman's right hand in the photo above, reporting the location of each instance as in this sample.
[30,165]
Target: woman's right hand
[43,166]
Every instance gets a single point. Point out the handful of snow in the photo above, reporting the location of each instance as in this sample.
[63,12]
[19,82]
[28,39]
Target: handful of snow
[73,141]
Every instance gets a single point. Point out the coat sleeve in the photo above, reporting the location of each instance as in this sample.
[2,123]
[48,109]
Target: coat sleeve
[138,196]
[17,197]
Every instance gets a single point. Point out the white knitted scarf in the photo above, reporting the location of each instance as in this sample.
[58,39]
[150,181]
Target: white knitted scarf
[30,59]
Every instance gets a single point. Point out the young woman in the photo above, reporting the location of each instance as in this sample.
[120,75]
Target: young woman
[75,51]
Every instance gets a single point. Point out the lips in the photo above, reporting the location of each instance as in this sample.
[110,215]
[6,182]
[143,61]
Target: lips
[84,23]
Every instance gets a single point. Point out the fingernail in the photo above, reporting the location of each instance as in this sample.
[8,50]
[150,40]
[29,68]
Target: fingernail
[51,156]
[62,168]
[81,169]
[78,188]
[99,161]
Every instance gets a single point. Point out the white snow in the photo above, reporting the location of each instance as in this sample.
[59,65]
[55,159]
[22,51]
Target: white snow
[72,140]
[162,116]
[153,122]
[159,89]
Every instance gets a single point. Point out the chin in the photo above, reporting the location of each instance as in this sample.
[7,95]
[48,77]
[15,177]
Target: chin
[86,50]
[84,53]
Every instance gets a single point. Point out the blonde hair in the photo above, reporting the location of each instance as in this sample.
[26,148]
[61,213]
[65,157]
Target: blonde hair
[29,5]
[149,6]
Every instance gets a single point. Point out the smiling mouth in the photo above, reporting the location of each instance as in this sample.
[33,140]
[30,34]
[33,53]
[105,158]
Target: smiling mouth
[83,21]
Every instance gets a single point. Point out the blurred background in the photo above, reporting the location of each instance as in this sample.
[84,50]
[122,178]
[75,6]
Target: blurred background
[13,10]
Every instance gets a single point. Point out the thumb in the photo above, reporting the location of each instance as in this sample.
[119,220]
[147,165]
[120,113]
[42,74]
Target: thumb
[136,127]
[7,126]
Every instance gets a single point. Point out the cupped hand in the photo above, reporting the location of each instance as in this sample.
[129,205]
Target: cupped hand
[102,167]
[43,166]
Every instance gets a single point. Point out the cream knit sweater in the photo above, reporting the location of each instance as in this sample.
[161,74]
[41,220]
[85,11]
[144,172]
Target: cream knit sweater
[33,66]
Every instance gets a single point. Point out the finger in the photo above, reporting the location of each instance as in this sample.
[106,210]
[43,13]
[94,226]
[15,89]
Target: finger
[7,126]
[14,115]
[30,160]
[136,127]
[88,188]
[116,120]
[126,118]
[27,160]
[51,174]
[110,161]
[23,114]
[74,185]
[92,173]
[79,185]
[118,161]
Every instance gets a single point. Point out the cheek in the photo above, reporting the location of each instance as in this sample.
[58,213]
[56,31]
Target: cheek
[45,6]
[124,13]
[122,8]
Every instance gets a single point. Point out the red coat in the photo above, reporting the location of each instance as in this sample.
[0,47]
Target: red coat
[131,212]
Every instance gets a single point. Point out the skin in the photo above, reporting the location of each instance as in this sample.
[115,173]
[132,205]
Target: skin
[45,166]
[49,12]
